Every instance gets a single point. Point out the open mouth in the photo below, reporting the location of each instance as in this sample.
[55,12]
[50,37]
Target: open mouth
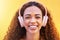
[33,27]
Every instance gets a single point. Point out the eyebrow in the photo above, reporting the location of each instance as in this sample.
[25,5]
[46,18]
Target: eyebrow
[27,15]
[38,15]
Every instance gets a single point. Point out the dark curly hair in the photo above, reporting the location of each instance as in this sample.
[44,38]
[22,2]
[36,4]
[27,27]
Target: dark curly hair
[15,32]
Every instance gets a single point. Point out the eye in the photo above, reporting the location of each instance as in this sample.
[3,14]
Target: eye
[37,17]
[27,17]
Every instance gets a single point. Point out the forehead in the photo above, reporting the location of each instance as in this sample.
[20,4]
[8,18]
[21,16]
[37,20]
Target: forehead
[32,9]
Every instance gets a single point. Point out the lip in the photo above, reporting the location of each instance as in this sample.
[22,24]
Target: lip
[33,25]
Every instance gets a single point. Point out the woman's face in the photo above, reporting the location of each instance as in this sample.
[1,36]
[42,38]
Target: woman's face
[32,19]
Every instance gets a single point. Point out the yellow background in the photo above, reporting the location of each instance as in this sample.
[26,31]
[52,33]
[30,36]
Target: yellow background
[9,7]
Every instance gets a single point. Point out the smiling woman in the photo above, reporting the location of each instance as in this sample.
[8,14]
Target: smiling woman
[34,23]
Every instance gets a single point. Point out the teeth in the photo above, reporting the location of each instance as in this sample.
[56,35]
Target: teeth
[33,27]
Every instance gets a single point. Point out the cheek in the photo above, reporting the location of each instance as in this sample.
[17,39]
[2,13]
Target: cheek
[40,22]
[26,22]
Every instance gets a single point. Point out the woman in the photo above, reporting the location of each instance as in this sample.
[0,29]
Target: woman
[36,24]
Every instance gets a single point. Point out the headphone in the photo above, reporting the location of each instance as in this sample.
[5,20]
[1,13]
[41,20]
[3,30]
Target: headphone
[45,18]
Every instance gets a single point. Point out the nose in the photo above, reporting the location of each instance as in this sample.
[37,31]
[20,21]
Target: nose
[33,20]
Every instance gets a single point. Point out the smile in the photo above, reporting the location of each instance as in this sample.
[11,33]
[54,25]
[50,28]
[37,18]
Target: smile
[33,27]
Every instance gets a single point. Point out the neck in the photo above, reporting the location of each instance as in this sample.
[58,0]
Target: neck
[32,36]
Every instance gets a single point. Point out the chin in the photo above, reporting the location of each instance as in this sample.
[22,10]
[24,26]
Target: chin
[33,31]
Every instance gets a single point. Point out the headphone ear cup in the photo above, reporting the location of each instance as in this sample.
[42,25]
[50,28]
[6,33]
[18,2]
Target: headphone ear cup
[20,20]
[45,18]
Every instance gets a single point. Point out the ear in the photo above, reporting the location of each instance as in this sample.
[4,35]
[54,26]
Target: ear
[20,20]
[45,18]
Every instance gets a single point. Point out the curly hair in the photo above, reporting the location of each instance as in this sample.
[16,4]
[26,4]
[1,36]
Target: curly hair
[16,32]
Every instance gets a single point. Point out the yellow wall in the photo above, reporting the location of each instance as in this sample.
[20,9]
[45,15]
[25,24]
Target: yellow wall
[9,7]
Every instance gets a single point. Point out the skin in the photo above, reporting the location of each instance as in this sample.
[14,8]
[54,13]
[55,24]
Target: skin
[32,22]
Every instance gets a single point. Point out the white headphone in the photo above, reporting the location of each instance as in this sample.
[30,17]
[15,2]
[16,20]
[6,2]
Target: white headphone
[45,18]
[20,18]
